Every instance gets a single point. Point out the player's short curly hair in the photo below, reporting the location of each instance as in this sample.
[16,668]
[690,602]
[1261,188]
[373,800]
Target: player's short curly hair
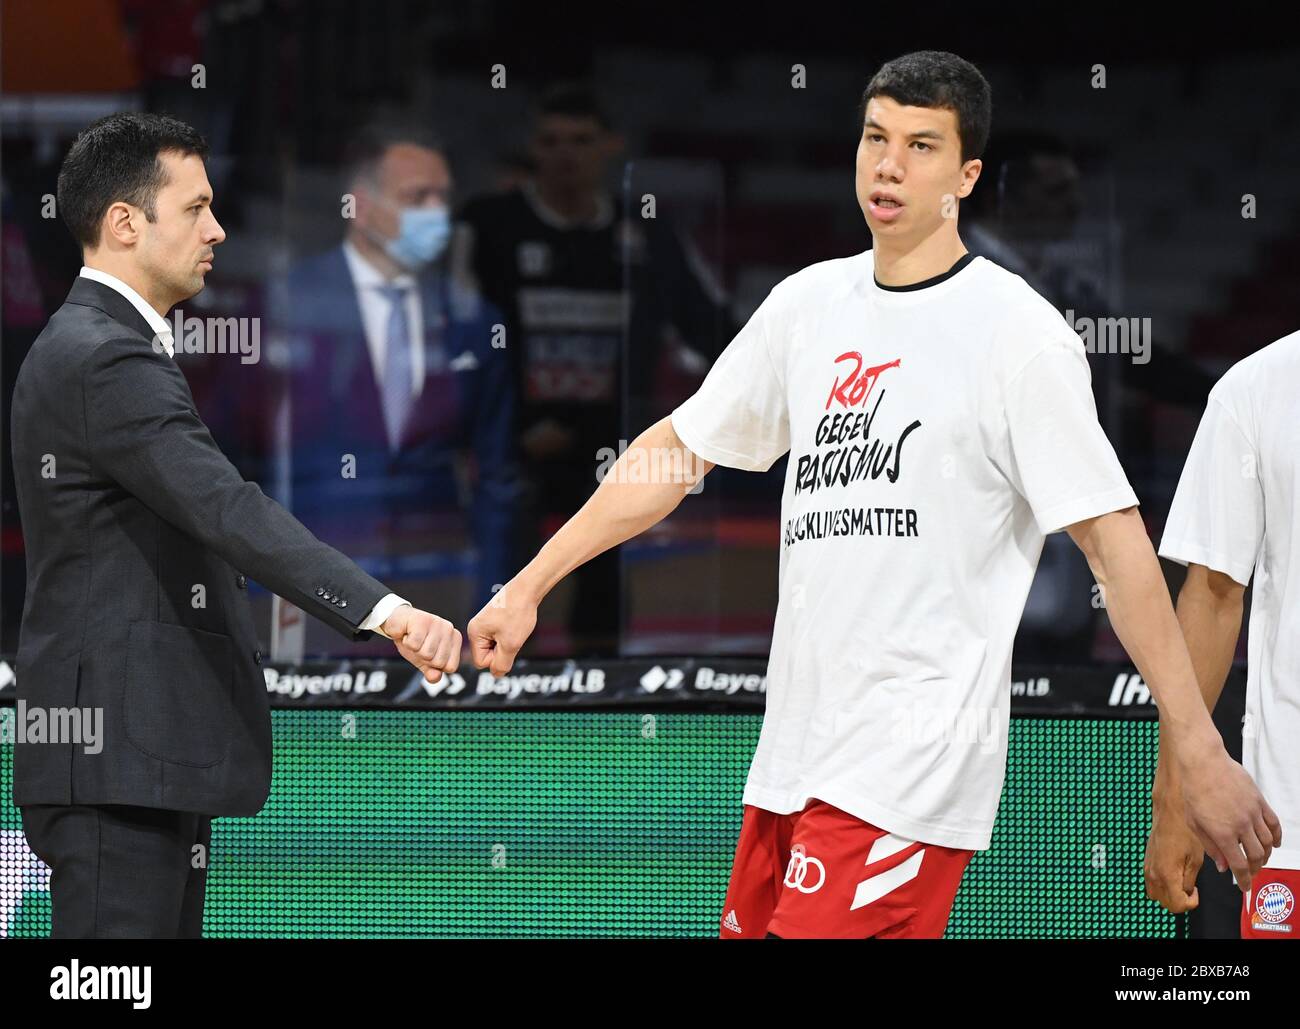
[935,78]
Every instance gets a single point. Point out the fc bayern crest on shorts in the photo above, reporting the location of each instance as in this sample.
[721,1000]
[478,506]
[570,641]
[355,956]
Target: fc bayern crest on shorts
[1274,904]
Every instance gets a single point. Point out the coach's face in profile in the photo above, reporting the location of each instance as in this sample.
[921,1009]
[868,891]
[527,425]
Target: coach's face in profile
[172,250]
[909,169]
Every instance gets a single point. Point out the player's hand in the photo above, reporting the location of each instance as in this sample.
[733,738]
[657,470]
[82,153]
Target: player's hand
[497,633]
[1173,859]
[1229,816]
[430,643]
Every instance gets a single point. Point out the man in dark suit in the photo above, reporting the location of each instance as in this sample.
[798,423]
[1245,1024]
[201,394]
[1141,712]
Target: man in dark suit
[139,534]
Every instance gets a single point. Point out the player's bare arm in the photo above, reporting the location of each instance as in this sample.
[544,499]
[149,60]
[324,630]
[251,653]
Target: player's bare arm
[622,507]
[1221,803]
[1209,612]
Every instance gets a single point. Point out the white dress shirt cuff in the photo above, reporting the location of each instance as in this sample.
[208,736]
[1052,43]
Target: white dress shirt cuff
[380,612]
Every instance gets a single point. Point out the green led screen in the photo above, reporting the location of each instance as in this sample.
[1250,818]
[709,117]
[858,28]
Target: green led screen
[589,824]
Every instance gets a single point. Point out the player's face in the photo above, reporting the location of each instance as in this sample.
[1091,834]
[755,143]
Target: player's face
[176,248]
[910,174]
[570,151]
[408,176]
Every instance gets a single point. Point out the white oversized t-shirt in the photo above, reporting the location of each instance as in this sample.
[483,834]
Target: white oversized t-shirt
[1235,511]
[935,435]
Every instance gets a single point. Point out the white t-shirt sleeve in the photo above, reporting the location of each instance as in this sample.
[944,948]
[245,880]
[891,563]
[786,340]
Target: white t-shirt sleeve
[1061,461]
[1217,517]
[739,416]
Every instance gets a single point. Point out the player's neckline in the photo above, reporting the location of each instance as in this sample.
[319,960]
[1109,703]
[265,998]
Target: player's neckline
[934,280]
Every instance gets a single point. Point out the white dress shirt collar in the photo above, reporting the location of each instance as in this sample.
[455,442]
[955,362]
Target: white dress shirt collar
[162,330]
[367,276]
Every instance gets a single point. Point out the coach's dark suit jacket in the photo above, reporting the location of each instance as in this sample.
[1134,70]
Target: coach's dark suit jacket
[139,534]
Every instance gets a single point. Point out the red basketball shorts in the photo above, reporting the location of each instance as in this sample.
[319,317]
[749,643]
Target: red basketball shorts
[1268,908]
[822,873]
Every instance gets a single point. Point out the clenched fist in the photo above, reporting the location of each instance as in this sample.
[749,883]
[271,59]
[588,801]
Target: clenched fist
[1173,860]
[503,626]
[430,643]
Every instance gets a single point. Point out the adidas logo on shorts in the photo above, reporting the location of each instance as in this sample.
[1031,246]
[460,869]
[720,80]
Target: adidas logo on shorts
[732,922]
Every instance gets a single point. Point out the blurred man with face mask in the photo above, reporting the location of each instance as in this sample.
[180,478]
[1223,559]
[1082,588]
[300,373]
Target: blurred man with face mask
[395,405]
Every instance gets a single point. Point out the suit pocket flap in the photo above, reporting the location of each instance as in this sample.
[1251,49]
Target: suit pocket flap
[177,699]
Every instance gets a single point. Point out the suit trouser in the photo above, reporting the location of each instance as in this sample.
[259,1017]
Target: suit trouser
[122,872]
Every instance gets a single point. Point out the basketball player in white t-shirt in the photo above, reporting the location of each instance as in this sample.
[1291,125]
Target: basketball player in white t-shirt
[940,422]
[1234,517]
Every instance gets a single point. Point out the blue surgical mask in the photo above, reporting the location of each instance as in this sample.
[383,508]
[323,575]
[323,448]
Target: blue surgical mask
[421,237]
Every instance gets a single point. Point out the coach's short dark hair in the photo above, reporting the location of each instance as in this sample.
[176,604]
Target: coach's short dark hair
[935,78]
[116,158]
[369,144]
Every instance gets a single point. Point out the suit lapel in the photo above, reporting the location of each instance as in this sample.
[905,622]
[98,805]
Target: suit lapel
[89,293]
